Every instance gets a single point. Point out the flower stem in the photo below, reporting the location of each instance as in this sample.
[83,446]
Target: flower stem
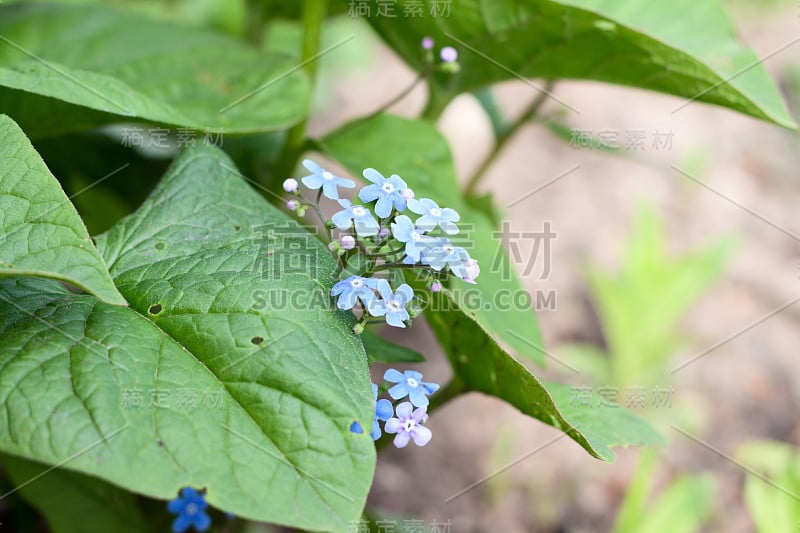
[387,266]
[313,15]
[422,76]
[506,136]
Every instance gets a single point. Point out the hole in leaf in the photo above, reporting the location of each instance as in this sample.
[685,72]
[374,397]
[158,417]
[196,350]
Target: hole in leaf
[155,309]
[237,228]
[257,340]
[160,245]
[356,428]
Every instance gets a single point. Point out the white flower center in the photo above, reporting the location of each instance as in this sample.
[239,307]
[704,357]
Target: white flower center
[388,188]
[415,236]
[356,283]
[394,305]
[413,383]
[448,249]
[191,509]
[409,424]
[359,211]
[327,176]
[435,212]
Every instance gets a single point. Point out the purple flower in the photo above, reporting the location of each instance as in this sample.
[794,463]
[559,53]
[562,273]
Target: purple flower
[320,177]
[383,411]
[408,426]
[449,54]
[473,270]
[290,185]
[365,222]
[436,286]
[190,506]
[392,304]
[292,205]
[353,289]
[410,384]
[414,238]
[433,215]
[427,43]
[387,191]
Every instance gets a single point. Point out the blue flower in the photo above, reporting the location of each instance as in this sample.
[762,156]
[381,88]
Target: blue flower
[190,507]
[392,305]
[433,215]
[388,192]
[320,177]
[441,253]
[365,222]
[404,231]
[383,411]
[410,384]
[352,289]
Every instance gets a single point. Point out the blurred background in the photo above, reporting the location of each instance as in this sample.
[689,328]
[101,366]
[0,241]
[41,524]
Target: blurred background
[670,286]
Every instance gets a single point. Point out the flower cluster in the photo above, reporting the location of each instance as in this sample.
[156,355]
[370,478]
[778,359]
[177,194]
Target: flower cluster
[390,230]
[404,421]
[191,508]
[448,55]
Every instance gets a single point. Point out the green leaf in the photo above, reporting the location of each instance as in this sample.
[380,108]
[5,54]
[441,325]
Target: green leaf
[774,506]
[73,503]
[41,234]
[66,68]
[230,371]
[687,48]
[416,151]
[383,351]
[482,366]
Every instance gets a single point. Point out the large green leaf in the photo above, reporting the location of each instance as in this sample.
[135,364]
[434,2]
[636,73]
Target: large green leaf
[249,395]
[687,48]
[482,366]
[74,503]
[41,234]
[65,68]
[466,319]
[772,488]
[417,151]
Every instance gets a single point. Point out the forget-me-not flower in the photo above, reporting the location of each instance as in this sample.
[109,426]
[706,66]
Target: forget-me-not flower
[353,289]
[392,304]
[409,383]
[190,506]
[383,411]
[433,215]
[414,238]
[329,182]
[442,253]
[408,426]
[365,223]
[387,191]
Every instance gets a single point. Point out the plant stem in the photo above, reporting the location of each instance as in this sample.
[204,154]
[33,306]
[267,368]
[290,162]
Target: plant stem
[452,390]
[503,139]
[423,74]
[313,16]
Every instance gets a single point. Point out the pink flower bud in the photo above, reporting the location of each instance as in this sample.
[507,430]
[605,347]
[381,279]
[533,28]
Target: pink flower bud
[290,185]
[436,286]
[407,194]
[449,54]
[427,43]
[292,205]
[348,242]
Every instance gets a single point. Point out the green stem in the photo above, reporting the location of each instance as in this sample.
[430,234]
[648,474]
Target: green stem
[422,76]
[452,390]
[387,266]
[506,136]
[313,16]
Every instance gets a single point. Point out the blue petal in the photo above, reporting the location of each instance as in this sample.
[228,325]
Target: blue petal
[399,391]
[413,374]
[342,219]
[393,376]
[370,193]
[313,167]
[312,182]
[397,182]
[344,183]
[202,521]
[374,176]
[374,391]
[399,201]
[396,319]
[450,215]
[406,293]
[181,524]
[383,409]
[356,428]
[347,300]
[426,222]
[416,206]
[376,307]
[367,226]
[417,397]
[384,206]
[176,506]
[430,388]
[448,227]
[330,191]
[384,289]
[402,228]
[376,430]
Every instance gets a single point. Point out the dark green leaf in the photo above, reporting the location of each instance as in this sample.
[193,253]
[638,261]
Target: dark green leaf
[66,68]
[41,234]
[383,351]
